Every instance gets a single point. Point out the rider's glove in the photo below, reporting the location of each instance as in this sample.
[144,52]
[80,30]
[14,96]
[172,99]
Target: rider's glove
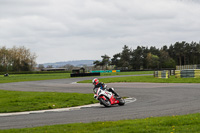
[105,86]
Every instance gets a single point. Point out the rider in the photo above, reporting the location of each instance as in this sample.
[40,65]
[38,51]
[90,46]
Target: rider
[103,86]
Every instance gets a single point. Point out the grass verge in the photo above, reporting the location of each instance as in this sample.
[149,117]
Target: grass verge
[148,79]
[33,77]
[171,124]
[16,101]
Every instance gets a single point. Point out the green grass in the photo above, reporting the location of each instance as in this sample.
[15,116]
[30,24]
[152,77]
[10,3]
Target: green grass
[33,77]
[16,101]
[148,79]
[171,124]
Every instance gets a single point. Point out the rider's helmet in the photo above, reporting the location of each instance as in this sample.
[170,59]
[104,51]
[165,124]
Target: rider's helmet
[95,81]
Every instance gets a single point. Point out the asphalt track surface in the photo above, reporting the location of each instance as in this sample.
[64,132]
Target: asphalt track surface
[152,99]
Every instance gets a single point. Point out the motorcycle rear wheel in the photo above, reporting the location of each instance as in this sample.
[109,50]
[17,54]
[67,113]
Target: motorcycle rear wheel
[121,102]
[106,102]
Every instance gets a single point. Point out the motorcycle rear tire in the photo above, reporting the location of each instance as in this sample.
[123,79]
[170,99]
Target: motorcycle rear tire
[121,102]
[106,102]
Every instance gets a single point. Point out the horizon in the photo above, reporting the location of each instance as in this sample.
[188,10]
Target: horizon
[85,29]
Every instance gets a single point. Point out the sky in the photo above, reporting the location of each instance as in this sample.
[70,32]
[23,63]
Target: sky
[66,30]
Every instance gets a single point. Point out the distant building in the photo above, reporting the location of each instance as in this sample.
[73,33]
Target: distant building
[78,70]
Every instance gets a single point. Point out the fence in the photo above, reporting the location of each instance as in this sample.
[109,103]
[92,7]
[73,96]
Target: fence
[188,67]
[105,71]
[84,74]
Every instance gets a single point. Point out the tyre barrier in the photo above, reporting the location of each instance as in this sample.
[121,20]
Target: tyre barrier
[177,73]
[187,73]
[162,74]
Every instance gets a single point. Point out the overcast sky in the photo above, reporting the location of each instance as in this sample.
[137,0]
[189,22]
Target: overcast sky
[65,30]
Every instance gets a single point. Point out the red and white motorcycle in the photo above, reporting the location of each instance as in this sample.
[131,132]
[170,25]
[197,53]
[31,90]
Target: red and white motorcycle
[107,98]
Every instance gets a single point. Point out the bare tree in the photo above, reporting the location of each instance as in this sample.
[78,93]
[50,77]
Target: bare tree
[17,59]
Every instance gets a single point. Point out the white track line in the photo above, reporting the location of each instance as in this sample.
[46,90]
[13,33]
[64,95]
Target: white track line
[73,83]
[127,100]
[130,100]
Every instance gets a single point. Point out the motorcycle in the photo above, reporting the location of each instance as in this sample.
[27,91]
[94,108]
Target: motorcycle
[107,98]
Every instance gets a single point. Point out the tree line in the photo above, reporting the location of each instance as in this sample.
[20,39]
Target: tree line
[16,59]
[180,53]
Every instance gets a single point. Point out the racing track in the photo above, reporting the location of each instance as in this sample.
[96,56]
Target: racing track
[153,99]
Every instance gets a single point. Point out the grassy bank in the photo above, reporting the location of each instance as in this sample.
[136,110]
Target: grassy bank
[147,79]
[16,101]
[171,124]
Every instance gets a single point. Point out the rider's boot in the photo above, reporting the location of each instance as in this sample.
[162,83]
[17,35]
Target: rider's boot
[117,96]
[115,93]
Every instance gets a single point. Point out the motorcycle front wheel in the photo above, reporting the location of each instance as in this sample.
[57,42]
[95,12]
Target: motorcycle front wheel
[106,102]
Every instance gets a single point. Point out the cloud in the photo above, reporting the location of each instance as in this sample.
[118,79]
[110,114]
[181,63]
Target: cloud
[59,30]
